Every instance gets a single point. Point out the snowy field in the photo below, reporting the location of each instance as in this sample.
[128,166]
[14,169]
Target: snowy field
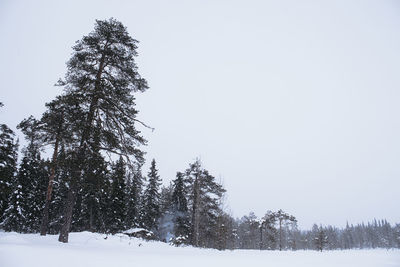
[88,249]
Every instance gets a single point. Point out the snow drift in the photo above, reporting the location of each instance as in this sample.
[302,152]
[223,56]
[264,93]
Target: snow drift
[91,249]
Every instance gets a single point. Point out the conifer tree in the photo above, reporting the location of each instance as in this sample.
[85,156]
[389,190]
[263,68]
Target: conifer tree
[33,173]
[26,201]
[204,198]
[14,216]
[320,238]
[101,79]
[225,231]
[93,187]
[31,187]
[59,192]
[53,129]
[180,209]
[8,165]
[283,219]
[117,198]
[134,191]
[151,199]
[248,231]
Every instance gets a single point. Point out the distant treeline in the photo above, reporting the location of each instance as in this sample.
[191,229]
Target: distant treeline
[376,234]
[94,179]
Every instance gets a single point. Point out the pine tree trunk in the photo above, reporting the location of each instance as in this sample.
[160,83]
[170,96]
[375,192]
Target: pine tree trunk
[64,233]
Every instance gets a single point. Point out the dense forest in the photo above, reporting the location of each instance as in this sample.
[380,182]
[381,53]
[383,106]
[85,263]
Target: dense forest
[94,180]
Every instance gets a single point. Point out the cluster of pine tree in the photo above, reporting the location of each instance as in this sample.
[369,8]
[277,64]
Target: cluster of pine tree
[94,180]
[112,196]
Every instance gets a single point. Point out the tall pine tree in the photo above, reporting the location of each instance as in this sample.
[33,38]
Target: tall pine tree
[101,79]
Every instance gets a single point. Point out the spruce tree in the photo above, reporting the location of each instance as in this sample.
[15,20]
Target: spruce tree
[104,201]
[151,199]
[116,217]
[93,185]
[180,210]
[14,216]
[8,165]
[134,191]
[59,191]
[26,201]
[33,173]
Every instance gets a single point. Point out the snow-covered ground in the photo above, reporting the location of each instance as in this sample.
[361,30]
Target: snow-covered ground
[89,249]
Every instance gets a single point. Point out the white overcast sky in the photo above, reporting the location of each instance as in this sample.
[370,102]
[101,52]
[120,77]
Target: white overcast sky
[292,104]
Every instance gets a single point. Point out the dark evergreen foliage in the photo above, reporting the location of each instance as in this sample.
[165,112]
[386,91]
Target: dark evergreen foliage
[15,215]
[204,205]
[133,202]
[29,186]
[180,210]
[117,213]
[34,172]
[60,190]
[94,188]
[151,199]
[8,166]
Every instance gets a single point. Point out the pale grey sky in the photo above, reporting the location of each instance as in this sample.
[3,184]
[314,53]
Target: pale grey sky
[292,104]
